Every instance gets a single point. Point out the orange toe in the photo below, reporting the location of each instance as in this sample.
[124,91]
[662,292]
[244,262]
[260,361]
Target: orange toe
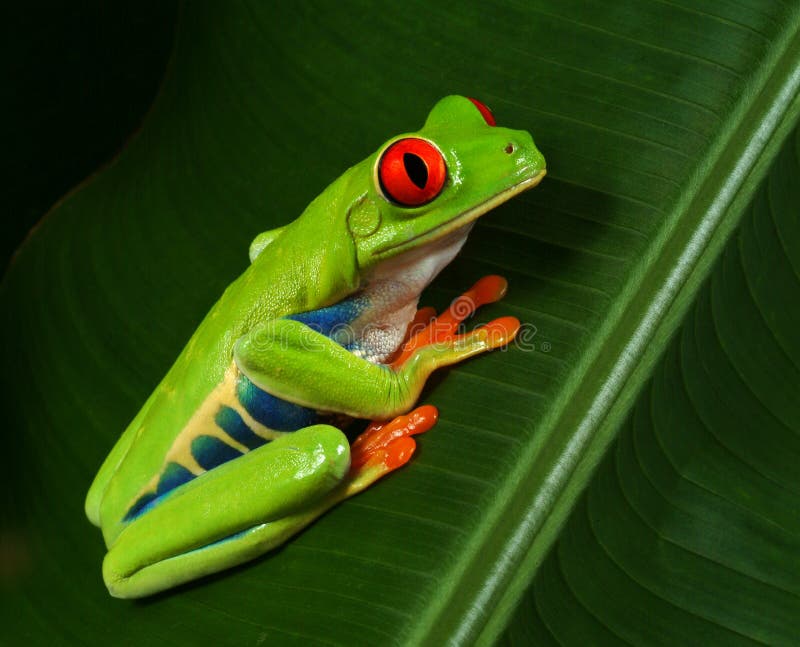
[399,452]
[444,327]
[381,437]
[501,331]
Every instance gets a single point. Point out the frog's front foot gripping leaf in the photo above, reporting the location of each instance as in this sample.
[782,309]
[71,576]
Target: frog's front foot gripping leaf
[383,447]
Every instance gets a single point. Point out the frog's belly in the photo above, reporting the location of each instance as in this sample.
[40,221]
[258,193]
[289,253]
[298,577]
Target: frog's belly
[236,417]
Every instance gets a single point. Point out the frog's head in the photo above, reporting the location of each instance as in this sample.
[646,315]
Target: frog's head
[430,186]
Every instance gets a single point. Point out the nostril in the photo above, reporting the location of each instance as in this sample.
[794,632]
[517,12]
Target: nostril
[510,148]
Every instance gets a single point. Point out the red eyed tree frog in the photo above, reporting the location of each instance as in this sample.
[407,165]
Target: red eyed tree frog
[236,450]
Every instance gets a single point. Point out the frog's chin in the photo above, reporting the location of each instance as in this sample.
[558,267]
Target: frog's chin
[468,217]
[416,267]
[392,291]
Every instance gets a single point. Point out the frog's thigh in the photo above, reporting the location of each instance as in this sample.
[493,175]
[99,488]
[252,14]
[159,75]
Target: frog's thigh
[106,472]
[229,515]
[111,464]
[291,361]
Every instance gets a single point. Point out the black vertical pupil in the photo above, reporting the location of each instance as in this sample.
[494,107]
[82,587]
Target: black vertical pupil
[416,169]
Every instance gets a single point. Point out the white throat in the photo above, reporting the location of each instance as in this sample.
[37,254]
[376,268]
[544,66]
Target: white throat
[393,290]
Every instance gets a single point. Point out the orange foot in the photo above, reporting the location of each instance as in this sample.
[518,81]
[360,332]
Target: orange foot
[444,327]
[385,446]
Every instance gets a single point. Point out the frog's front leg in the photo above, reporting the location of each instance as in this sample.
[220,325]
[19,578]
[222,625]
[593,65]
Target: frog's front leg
[291,361]
[230,514]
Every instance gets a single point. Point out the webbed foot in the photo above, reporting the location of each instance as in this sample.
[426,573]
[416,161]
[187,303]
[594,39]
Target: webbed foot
[428,330]
[385,446]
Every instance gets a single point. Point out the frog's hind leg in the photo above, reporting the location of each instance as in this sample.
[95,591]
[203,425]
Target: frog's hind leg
[230,514]
[248,506]
[104,475]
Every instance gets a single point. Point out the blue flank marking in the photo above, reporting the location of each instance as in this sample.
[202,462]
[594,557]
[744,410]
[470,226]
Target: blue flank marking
[270,411]
[174,475]
[333,321]
[142,503]
[273,412]
[209,452]
[232,424]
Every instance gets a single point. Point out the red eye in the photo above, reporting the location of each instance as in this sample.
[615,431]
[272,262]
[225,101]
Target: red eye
[412,172]
[487,114]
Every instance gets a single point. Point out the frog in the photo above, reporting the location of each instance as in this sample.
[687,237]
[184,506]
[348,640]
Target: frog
[243,444]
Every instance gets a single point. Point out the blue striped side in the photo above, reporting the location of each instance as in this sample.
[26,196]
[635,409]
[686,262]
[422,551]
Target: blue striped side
[139,506]
[270,411]
[231,423]
[174,475]
[333,319]
[210,452]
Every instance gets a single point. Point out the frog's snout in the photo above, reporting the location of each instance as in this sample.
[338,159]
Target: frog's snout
[523,151]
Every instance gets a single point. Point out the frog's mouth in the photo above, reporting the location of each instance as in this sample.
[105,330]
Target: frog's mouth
[464,218]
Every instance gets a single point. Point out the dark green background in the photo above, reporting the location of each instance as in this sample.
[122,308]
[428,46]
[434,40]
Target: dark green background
[79,79]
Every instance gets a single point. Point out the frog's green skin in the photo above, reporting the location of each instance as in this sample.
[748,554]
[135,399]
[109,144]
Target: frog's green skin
[353,256]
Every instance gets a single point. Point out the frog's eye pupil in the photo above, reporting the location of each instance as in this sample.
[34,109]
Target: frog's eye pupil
[411,172]
[416,169]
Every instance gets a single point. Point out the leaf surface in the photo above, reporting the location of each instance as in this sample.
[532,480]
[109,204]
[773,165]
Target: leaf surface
[657,119]
[689,533]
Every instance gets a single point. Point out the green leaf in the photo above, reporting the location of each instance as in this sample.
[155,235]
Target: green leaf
[689,533]
[658,121]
